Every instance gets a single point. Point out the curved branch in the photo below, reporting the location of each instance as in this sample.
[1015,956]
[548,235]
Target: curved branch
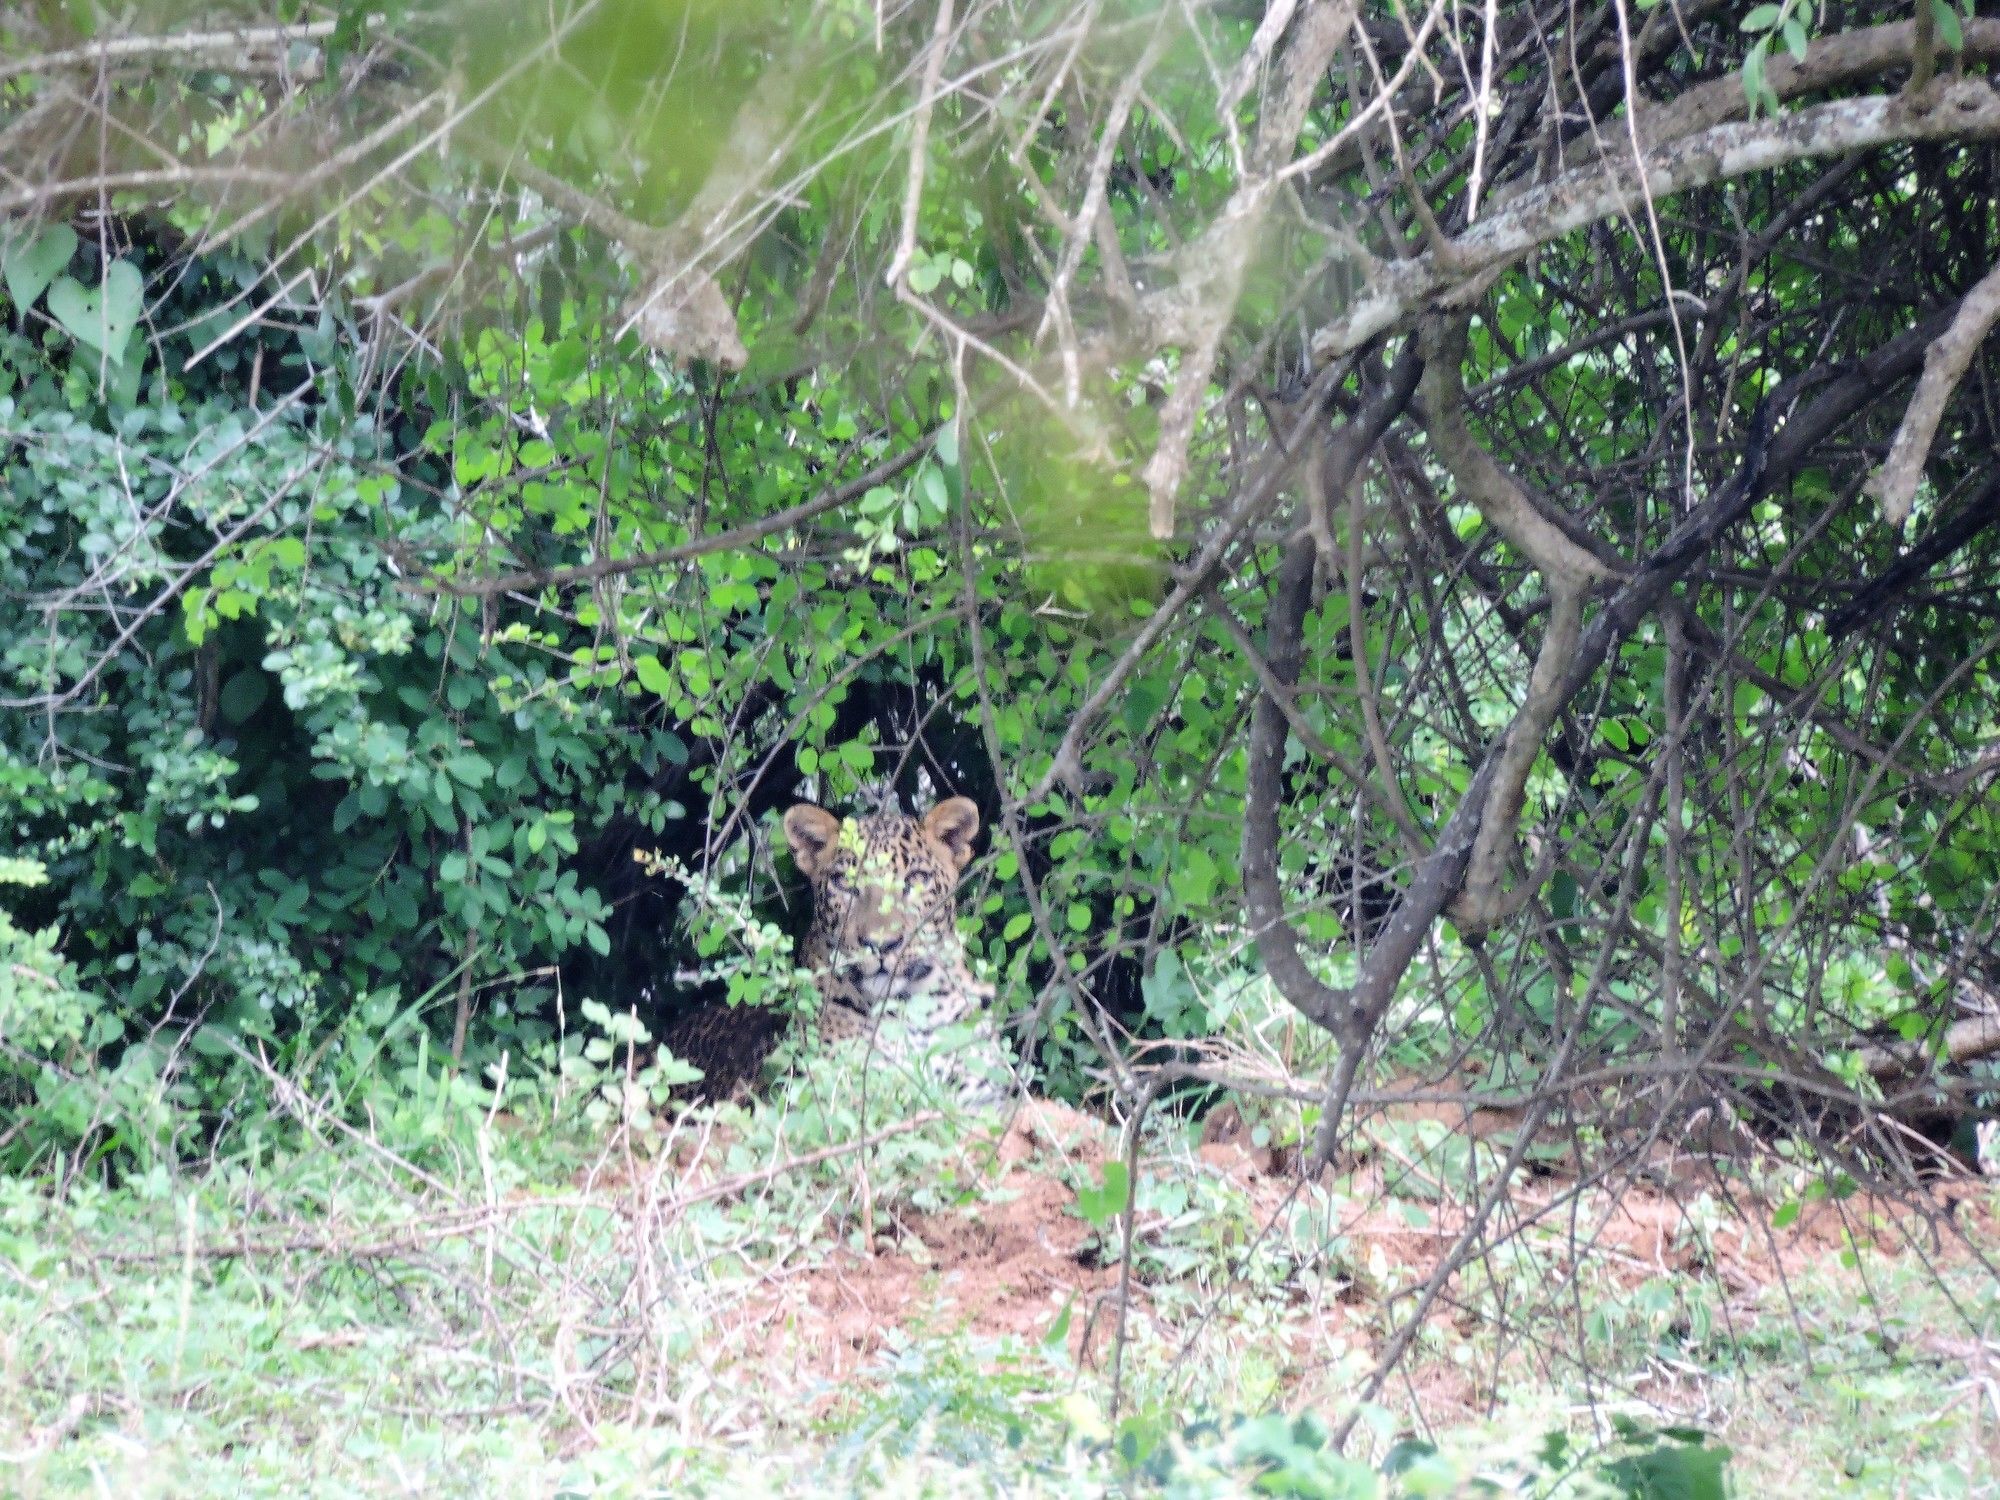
[1263,895]
[1277,940]
[1569,562]
[1967,109]
[1569,568]
[1483,901]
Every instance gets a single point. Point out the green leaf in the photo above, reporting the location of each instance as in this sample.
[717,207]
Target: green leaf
[924,277]
[1795,38]
[31,264]
[653,677]
[23,872]
[1017,924]
[243,695]
[932,488]
[1144,698]
[1058,1335]
[194,615]
[1746,697]
[1949,34]
[1099,1205]
[102,319]
[1193,876]
[346,812]
[472,770]
[1755,88]
[1761,18]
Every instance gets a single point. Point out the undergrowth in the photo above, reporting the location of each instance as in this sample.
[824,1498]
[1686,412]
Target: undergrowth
[481,1290]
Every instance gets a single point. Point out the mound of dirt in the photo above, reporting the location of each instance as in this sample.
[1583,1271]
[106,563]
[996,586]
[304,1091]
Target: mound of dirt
[1010,1264]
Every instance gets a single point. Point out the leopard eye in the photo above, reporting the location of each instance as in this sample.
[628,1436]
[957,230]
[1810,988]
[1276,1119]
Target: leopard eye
[841,880]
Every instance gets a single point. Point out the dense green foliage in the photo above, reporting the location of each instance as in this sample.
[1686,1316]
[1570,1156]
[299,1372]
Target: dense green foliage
[299,783]
[288,794]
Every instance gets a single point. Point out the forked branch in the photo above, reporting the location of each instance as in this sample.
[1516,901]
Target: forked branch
[1570,568]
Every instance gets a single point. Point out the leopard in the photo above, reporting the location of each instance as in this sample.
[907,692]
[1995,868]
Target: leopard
[882,947]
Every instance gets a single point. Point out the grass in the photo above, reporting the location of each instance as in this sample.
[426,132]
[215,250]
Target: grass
[443,1305]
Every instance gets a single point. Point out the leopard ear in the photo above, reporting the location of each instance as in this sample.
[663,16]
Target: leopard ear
[812,832]
[953,823]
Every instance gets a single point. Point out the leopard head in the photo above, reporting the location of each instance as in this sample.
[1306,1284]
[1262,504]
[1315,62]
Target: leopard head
[884,897]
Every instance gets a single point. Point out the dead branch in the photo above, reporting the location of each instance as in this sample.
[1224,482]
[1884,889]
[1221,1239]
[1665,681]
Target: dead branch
[1264,902]
[1841,58]
[237,46]
[1963,1042]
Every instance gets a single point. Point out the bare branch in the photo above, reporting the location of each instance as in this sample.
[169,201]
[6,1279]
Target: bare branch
[1569,562]
[1212,269]
[1965,109]
[1830,61]
[1277,941]
[1895,483]
[236,46]
[920,139]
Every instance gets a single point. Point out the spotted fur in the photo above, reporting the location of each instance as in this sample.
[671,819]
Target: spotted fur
[883,947]
[884,901]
